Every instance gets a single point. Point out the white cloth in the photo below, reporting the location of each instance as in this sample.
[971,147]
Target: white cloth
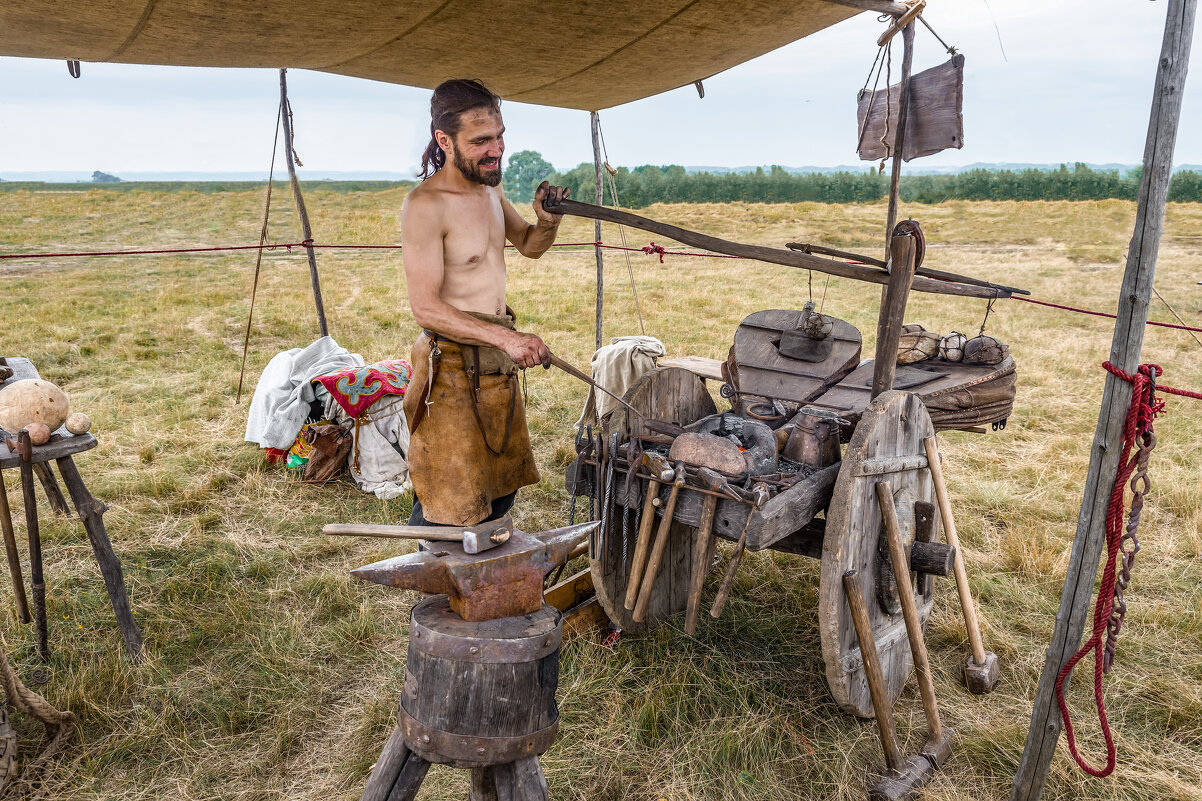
[616,367]
[282,396]
[381,445]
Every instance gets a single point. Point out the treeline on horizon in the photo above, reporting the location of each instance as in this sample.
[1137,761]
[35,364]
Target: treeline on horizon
[646,185]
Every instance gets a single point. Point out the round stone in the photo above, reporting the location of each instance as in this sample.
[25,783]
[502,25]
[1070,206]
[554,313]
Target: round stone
[32,400]
[78,423]
[39,433]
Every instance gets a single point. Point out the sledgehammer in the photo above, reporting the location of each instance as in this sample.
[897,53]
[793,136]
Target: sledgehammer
[477,538]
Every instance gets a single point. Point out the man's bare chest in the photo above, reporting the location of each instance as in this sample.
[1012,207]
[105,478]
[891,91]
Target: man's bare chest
[475,234]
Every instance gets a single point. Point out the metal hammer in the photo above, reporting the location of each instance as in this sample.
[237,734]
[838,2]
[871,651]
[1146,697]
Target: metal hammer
[477,538]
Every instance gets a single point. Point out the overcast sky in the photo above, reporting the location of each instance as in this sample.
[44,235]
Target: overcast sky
[1074,84]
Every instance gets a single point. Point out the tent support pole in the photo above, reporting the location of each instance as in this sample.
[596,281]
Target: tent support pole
[1125,347]
[306,229]
[595,121]
[899,136]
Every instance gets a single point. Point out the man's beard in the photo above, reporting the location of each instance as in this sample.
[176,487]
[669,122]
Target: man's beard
[473,171]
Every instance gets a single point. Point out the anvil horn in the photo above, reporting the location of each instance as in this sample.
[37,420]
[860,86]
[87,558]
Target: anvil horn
[413,571]
[562,541]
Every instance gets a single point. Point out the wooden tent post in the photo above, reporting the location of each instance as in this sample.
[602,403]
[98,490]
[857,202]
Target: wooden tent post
[899,136]
[306,229]
[1125,347]
[595,120]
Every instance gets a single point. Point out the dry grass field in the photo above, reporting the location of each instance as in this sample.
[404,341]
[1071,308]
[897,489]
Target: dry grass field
[271,674]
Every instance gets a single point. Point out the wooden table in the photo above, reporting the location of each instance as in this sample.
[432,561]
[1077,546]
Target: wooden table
[59,451]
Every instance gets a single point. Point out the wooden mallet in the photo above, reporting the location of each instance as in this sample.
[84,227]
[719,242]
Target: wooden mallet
[981,672]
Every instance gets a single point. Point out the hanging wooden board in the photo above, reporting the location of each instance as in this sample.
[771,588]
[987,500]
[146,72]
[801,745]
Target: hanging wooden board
[934,119]
[678,396]
[759,369]
[887,446]
[956,394]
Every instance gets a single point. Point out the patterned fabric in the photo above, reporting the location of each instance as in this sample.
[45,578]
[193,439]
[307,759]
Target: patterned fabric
[356,388]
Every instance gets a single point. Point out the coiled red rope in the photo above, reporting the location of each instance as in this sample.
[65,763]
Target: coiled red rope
[1136,427]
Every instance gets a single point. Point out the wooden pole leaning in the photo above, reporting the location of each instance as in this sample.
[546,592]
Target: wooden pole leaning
[301,211]
[982,670]
[1126,344]
[647,589]
[899,136]
[904,776]
[893,312]
[14,558]
[939,742]
[595,121]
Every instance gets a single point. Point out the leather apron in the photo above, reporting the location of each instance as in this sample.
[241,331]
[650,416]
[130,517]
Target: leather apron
[468,443]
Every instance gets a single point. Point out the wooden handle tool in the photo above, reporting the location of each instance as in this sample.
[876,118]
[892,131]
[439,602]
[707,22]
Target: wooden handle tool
[657,551]
[760,495]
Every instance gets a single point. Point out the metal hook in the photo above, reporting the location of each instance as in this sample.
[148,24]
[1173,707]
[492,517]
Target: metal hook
[73,67]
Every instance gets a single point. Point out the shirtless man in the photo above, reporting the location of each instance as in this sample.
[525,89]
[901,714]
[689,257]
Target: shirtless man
[469,447]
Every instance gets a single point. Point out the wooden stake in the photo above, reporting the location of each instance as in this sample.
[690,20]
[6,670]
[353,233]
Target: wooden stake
[595,120]
[1125,348]
[306,229]
[872,669]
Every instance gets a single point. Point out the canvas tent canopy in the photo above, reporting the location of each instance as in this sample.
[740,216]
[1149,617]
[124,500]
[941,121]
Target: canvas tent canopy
[589,54]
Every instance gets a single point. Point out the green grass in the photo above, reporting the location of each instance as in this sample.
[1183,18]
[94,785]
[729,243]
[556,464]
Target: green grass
[271,674]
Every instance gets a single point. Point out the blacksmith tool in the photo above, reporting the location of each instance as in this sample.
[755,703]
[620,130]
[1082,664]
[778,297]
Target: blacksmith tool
[703,546]
[503,582]
[902,776]
[661,472]
[939,742]
[661,544]
[474,539]
[759,494]
[576,373]
[630,501]
[981,671]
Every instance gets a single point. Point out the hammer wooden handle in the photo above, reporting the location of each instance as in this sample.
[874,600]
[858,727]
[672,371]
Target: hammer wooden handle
[394,532]
[642,545]
[701,558]
[732,569]
[657,553]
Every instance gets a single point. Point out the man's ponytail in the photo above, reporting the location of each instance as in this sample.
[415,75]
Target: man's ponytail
[447,105]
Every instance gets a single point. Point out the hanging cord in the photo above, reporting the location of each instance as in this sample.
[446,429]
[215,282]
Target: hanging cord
[291,127]
[888,104]
[254,288]
[613,194]
[877,65]
[988,309]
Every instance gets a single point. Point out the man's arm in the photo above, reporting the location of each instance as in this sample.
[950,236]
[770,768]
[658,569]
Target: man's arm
[532,241]
[422,254]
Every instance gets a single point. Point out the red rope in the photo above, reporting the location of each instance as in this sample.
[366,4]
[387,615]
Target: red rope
[1142,411]
[1099,313]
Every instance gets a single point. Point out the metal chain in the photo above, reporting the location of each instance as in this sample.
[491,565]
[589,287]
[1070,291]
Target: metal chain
[1128,545]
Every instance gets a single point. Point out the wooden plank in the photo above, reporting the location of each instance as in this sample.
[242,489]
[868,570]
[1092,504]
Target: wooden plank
[781,256]
[595,126]
[57,448]
[571,591]
[388,766]
[699,366]
[761,370]
[1126,344]
[879,6]
[935,120]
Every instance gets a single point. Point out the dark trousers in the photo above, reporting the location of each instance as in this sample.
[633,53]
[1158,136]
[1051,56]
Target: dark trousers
[499,507]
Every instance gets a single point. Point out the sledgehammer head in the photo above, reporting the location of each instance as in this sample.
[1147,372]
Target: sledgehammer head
[502,582]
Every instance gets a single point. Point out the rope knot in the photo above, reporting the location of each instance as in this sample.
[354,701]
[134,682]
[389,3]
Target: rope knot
[307,243]
[655,249]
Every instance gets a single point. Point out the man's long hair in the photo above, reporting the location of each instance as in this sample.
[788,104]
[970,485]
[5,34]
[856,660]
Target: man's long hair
[447,105]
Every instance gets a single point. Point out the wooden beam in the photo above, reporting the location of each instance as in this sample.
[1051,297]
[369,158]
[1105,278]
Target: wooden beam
[595,121]
[787,258]
[899,136]
[1125,348]
[879,6]
[893,313]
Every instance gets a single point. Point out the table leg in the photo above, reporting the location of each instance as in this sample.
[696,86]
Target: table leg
[58,504]
[14,559]
[36,579]
[90,512]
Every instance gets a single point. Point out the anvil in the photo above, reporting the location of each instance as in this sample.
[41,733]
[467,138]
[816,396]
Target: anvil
[501,582]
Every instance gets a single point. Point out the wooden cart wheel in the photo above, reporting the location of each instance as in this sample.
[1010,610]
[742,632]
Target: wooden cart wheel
[678,396]
[887,446]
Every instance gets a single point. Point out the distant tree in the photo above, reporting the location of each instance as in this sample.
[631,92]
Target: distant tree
[525,171]
[99,177]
